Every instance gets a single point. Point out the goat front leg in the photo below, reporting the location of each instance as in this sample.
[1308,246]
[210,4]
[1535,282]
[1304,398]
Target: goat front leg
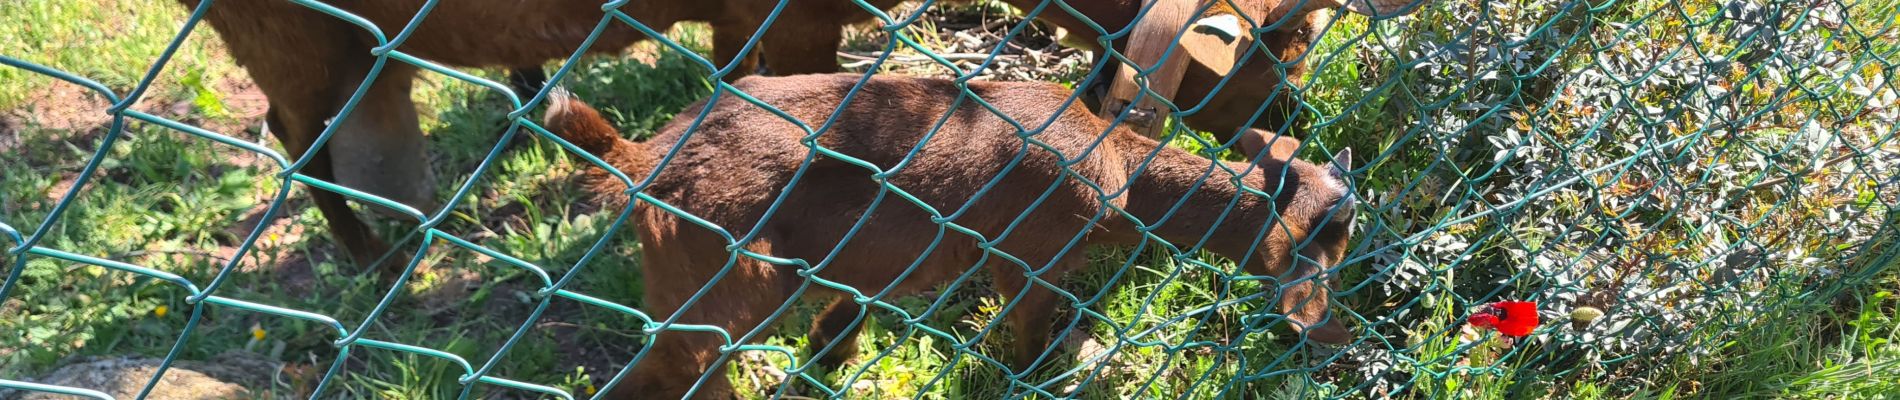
[1029,312]
[793,48]
[839,324]
[728,39]
[353,237]
[678,360]
[307,63]
[677,266]
[379,147]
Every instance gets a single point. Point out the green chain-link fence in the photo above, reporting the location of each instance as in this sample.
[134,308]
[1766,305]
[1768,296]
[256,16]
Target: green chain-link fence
[1690,168]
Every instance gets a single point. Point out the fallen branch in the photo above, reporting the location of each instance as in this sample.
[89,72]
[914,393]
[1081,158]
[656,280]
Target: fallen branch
[911,58]
[907,59]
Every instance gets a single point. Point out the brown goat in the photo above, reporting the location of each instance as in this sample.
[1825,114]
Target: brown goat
[1261,81]
[733,167]
[308,63]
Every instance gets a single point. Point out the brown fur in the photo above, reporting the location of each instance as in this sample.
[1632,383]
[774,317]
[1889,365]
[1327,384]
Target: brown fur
[741,159]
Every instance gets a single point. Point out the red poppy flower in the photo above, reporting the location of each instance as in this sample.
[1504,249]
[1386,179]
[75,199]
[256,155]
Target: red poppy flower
[1511,318]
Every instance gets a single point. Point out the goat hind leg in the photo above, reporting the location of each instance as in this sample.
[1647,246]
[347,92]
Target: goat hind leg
[527,81]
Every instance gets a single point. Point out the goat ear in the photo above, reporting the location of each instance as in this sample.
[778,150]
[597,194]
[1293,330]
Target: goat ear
[1382,9]
[1342,162]
[1278,147]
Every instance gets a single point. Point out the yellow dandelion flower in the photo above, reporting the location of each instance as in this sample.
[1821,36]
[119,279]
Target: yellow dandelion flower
[257,333]
[591,390]
[161,311]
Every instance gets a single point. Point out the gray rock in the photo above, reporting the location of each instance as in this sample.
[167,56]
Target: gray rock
[233,375]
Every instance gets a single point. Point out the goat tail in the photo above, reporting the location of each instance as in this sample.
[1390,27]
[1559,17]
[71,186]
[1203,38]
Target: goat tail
[580,124]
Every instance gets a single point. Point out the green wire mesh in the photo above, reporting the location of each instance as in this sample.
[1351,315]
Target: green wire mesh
[1687,167]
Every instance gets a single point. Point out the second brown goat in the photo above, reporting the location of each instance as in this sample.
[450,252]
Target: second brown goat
[309,64]
[733,167]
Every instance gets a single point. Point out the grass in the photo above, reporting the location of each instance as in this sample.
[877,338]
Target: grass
[178,204]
